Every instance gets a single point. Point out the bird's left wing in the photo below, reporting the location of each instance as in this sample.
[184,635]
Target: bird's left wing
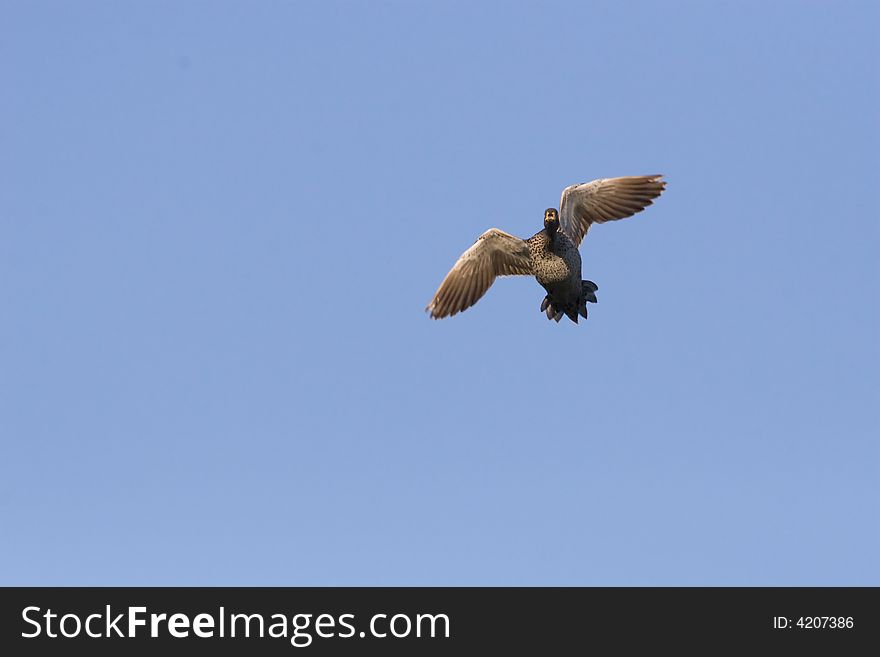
[606,199]
[495,253]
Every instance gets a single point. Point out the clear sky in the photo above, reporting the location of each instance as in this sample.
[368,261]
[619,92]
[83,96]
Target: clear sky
[220,223]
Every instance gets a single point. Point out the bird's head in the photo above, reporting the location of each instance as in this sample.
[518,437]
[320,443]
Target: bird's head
[551,220]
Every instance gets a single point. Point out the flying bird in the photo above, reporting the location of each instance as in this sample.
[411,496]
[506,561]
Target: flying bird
[550,255]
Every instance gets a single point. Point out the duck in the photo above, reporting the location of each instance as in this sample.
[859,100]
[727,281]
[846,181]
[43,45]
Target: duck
[551,255]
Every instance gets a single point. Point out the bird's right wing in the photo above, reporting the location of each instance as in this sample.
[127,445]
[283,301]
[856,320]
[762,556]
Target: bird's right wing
[495,253]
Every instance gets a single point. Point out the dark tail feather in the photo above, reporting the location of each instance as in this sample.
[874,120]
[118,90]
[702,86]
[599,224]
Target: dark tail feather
[589,290]
[580,308]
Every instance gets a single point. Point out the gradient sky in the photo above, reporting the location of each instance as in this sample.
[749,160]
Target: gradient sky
[220,223]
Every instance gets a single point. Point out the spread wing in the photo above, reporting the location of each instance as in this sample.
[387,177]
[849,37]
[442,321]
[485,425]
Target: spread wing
[606,199]
[495,253]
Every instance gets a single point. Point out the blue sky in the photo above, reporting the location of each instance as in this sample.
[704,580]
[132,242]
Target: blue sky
[220,223]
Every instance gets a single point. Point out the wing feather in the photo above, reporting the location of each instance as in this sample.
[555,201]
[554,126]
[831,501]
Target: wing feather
[495,253]
[606,199]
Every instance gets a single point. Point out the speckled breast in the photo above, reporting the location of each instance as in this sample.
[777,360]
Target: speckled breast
[557,262]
